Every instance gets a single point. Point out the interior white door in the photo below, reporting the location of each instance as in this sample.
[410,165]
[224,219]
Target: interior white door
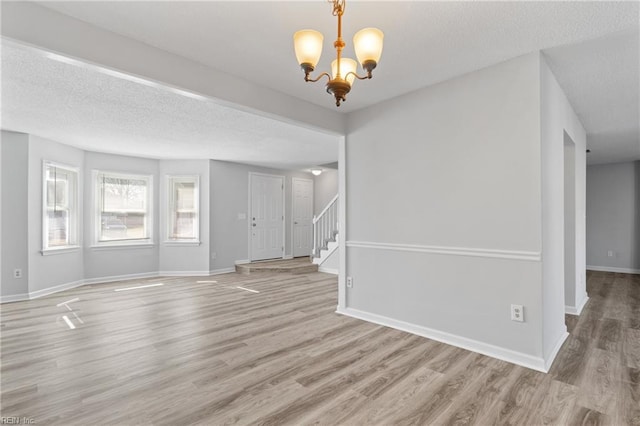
[267,216]
[302,190]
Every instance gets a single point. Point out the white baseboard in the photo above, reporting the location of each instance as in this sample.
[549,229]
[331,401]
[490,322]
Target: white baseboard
[519,358]
[183,273]
[120,278]
[222,271]
[328,270]
[287,256]
[242,262]
[576,310]
[556,349]
[56,289]
[613,269]
[14,298]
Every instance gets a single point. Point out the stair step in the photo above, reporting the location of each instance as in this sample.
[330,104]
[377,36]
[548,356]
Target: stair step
[291,266]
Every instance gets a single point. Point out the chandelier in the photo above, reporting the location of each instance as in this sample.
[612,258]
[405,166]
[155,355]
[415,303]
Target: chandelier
[368,46]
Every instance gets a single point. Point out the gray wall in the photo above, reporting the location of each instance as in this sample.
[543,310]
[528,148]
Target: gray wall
[230,197]
[105,262]
[453,166]
[15,152]
[613,218]
[59,268]
[185,258]
[325,187]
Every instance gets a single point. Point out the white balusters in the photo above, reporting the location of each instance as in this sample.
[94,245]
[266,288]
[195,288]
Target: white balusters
[325,226]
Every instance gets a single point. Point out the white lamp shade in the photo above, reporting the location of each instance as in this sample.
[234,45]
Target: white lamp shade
[368,44]
[308,46]
[347,65]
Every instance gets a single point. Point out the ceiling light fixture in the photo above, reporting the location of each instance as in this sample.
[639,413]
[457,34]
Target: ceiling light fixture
[368,46]
[316,172]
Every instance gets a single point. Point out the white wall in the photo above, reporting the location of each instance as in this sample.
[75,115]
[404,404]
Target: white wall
[176,258]
[230,197]
[62,268]
[109,262]
[15,151]
[325,187]
[613,218]
[558,118]
[443,211]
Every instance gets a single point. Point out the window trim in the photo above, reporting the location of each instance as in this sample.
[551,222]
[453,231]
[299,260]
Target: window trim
[169,209]
[74,211]
[97,211]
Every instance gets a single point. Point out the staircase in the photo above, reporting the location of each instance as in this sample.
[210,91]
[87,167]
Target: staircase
[325,232]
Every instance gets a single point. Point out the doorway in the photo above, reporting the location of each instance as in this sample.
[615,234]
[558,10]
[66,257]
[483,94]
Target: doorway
[266,227]
[302,208]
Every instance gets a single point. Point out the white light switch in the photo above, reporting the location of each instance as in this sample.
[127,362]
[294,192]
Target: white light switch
[242,216]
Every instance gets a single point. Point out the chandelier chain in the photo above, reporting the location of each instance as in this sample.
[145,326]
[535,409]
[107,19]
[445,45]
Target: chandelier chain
[338,7]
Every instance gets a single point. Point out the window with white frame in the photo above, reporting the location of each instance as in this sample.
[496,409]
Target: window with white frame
[60,202]
[124,212]
[183,202]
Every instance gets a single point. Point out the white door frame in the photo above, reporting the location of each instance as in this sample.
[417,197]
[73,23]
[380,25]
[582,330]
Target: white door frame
[293,208]
[284,200]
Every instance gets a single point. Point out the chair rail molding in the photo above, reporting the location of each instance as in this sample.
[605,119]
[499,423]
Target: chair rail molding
[532,256]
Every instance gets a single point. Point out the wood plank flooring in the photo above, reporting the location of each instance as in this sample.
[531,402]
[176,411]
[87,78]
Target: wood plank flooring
[267,348]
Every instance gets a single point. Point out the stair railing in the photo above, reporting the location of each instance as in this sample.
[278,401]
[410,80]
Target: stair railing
[325,226]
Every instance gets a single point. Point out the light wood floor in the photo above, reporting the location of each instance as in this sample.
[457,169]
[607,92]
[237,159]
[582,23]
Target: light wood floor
[210,353]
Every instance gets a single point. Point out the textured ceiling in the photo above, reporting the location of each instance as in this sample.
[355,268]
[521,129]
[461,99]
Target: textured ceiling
[83,107]
[601,80]
[425,43]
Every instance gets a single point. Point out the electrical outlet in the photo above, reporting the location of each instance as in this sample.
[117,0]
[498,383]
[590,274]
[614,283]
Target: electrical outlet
[214,255]
[349,282]
[610,253]
[17,273]
[517,313]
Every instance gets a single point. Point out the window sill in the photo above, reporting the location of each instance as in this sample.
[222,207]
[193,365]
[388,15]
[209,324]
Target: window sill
[179,243]
[122,246]
[60,250]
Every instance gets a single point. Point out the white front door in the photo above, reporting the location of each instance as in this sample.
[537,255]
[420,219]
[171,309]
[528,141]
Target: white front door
[267,216]
[302,191]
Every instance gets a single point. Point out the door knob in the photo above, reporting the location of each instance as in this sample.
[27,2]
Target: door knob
[295,223]
[254,224]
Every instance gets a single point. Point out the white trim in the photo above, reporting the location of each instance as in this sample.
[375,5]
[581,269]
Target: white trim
[284,208]
[572,310]
[97,206]
[104,280]
[120,278]
[55,289]
[60,250]
[328,270]
[519,358]
[552,356]
[242,262]
[342,221]
[181,243]
[74,217]
[290,256]
[532,256]
[14,298]
[183,273]
[170,181]
[613,269]
[222,271]
[121,246]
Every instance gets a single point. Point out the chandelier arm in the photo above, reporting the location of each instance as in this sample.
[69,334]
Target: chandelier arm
[365,77]
[310,80]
